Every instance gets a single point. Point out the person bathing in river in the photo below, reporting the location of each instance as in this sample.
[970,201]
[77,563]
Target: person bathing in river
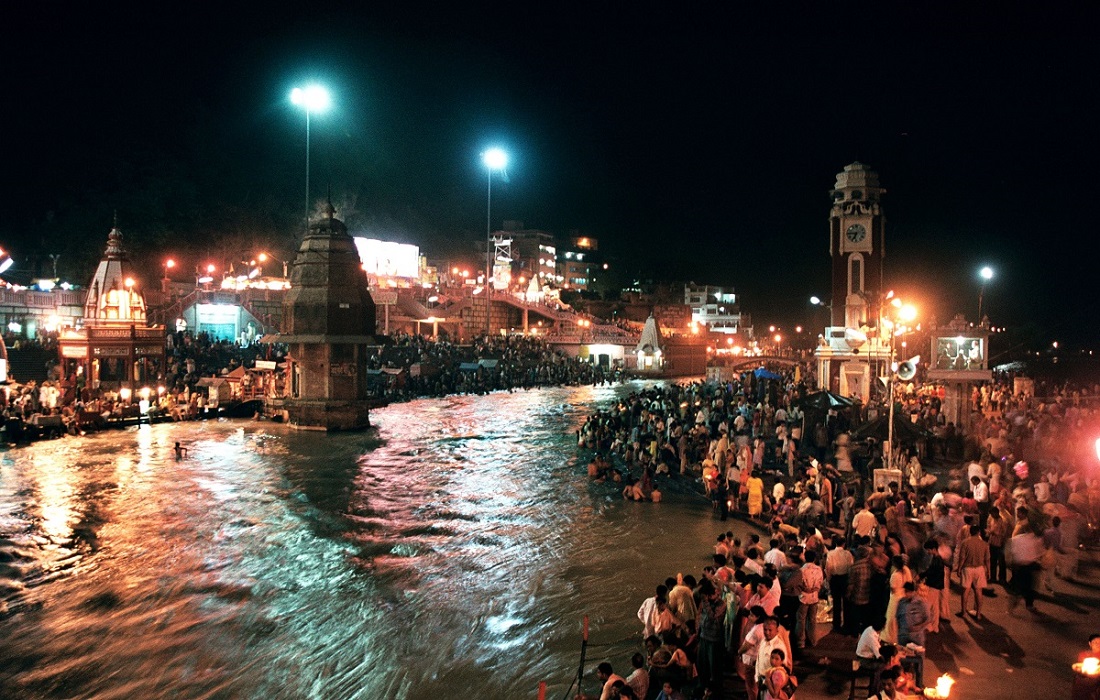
[181,452]
[597,468]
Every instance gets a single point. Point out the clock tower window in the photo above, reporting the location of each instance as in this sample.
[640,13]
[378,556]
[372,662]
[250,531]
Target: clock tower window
[855,274]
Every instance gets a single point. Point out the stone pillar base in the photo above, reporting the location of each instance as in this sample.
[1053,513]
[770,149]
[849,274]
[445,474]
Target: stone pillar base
[328,415]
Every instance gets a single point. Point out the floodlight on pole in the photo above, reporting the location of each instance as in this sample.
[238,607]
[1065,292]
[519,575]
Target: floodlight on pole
[312,98]
[906,313]
[495,159]
[986,273]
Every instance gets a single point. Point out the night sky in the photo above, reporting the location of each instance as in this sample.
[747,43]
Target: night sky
[695,141]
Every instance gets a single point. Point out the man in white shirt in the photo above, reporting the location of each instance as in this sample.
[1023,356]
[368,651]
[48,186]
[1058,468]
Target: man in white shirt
[775,556]
[751,565]
[838,563]
[648,608]
[864,522]
[867,648]
[974,469]
[981,494]
[812,579]
[771,640]
[980,490]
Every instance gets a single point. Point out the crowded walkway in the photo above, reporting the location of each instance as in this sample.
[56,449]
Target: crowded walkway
[834,571]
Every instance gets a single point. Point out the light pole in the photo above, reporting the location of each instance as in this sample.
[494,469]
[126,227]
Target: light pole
[168,265]
[907,314]
[494,159]
[986,273]
[312,98]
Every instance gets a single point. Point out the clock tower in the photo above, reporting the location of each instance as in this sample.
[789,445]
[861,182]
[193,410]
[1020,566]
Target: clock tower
[851,351]
[856,246]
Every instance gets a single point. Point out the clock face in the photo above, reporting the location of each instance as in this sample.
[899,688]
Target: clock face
[856,233]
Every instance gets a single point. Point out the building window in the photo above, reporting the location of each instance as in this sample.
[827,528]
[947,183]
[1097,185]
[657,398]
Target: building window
[855,274]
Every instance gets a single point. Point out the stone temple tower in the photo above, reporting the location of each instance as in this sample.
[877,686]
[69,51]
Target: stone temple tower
[328,324]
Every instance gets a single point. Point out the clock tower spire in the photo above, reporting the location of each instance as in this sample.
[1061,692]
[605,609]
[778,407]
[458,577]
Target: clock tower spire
[856,246]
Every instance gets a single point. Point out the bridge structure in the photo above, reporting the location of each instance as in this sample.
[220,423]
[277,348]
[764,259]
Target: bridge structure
[760,361]
[561,325]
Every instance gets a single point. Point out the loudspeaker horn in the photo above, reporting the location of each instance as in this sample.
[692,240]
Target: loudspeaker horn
[854,338]
[908,369]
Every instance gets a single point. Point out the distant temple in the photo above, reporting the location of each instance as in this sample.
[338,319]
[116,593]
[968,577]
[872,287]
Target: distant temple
[116,350]
[648,349]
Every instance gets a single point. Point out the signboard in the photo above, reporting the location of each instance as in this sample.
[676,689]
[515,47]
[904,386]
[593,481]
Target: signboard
[959,352]
[342,370]
[387,259]
[74,352]
[265,364]
[384,296]
[111,352]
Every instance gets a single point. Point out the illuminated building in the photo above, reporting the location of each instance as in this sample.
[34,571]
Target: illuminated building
[534,253]
[117,348]
[577,264]
[714,308]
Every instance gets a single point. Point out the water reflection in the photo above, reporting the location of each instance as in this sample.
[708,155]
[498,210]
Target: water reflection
[451,553]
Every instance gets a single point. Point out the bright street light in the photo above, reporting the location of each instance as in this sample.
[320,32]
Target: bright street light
[168,265]
[907,313]
[494,159]
[986,273]
[312,98]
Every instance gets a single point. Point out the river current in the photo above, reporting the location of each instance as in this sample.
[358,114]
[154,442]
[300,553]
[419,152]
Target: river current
[450,552]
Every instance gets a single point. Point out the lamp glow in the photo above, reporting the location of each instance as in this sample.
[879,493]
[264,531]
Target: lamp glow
[495,159]
[942,689]
[986,273]
[313,98]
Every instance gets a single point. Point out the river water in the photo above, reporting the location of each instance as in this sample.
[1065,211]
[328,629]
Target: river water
[450,553]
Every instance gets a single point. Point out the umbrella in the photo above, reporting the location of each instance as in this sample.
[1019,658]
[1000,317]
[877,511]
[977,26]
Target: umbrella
[824,400]
[904,429]
[762,373]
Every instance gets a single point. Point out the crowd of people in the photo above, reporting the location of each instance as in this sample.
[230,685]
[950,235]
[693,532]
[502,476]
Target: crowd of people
[426,367]
[873,562]
[407,367]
